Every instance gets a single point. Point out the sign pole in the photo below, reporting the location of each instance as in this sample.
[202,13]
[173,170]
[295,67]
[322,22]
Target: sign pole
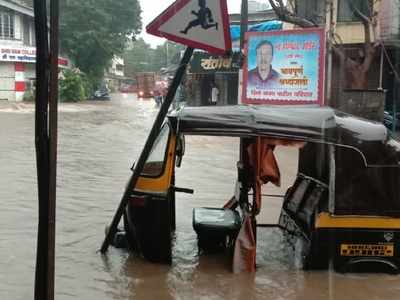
[53,138]
[147,148]
[244,19]
[396,91]
[46,116]
[243,28]
[42,149]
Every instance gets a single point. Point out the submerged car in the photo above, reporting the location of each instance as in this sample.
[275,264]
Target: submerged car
[342,210]
[101,94]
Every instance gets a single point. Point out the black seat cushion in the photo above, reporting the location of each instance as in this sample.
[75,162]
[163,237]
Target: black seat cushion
[216,220]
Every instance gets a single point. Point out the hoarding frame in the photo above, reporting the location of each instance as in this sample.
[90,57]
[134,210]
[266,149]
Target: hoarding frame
[321,71]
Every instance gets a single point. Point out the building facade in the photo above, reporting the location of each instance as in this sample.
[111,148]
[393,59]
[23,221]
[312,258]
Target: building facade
[115,74]
[17,50]
[346,25]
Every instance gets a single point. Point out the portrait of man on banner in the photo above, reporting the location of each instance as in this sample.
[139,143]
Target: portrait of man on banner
[263,75]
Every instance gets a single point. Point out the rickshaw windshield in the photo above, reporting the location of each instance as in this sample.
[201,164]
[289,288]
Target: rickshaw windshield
[154,165]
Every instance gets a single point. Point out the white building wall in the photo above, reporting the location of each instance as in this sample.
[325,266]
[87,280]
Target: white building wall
[8,75]
[7,81]
[7,96]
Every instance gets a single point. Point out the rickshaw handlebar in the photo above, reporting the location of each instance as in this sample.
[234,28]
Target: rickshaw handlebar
[183,190]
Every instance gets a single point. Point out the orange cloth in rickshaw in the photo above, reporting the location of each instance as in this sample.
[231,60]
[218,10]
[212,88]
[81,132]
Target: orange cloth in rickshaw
[262,160]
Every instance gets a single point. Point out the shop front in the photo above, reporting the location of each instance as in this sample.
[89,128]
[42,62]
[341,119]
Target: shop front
[208,71]
[17,71]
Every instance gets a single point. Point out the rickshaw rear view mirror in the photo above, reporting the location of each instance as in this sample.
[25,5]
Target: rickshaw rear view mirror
[180,149]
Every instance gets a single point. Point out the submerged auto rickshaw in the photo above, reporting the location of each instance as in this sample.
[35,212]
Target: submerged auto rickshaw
[343,210]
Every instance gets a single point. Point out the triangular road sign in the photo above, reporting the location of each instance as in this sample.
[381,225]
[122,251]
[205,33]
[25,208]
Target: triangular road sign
[202,24]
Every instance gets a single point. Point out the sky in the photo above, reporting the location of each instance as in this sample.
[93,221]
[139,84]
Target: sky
[151,9]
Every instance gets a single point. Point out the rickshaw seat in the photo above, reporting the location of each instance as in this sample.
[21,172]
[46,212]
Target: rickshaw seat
[214,225]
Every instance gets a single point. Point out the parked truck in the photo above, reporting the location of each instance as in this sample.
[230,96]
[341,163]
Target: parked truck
[145,84]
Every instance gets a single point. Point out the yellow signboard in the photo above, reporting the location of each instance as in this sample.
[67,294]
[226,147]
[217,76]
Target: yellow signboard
[366,250]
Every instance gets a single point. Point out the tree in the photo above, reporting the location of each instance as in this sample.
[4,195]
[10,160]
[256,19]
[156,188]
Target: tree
[93,31]
[137,57]
[140,57]
[166,54]
[285,15]
[357,68]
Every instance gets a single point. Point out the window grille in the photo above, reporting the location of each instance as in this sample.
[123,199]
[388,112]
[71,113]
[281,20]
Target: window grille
[6,25]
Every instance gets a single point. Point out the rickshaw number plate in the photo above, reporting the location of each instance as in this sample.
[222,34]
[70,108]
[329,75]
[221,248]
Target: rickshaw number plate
[366,250]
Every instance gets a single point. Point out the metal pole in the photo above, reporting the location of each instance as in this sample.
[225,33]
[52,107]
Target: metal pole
[53,121]
[166,46]
[244,13]
[147,148]
[42,148]
[244,19]
[328,32]
[396,90]
[380,87]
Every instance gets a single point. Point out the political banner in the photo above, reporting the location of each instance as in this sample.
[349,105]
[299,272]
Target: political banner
[284,67]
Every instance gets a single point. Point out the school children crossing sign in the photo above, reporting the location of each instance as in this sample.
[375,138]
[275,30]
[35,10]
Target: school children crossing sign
[202,24]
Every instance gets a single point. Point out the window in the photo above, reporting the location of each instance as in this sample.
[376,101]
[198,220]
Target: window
[313,10]
[119,67]
[27,31]
[6,25]
[346,14]
[155,162]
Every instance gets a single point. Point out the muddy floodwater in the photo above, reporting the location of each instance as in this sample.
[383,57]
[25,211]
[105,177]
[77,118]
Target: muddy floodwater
[98,143]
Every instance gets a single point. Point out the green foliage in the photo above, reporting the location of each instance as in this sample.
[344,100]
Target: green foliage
[73,86]
[137,57]
[29,96]
[93,31]
[140,57]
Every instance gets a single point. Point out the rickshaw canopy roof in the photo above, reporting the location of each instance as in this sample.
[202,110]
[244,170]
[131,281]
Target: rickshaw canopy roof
[304,123]
[279,121]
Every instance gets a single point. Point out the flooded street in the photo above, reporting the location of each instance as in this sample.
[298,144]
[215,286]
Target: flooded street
[98,143]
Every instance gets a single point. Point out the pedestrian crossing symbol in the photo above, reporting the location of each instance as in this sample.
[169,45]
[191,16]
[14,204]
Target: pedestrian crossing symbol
[202,24]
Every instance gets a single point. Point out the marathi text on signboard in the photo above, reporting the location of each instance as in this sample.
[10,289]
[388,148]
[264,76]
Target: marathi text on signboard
[284,67]
[24,54]
[203,62]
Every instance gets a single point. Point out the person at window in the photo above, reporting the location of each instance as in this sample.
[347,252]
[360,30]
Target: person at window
[263,75]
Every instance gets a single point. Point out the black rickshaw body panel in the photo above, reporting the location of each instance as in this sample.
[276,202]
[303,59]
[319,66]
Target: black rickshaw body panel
[148,226]
[149,218]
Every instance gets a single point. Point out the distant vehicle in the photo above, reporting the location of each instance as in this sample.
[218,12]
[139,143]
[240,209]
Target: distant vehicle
[128,86]
[101,94]
[145,84]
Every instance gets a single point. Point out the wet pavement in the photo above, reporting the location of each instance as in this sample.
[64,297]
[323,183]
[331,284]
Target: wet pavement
[98,142]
